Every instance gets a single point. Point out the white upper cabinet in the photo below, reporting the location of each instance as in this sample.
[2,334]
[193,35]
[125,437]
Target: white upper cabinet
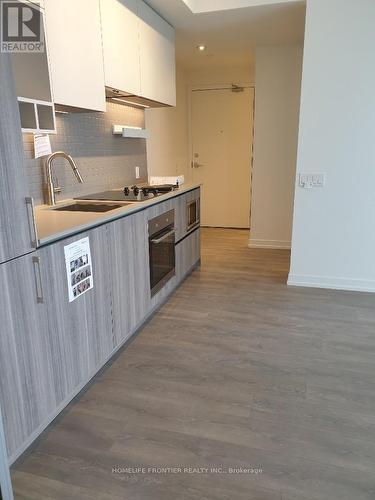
[32,80]
[139,52]
[120,32]
[157,56]
[120,44]
[76,53]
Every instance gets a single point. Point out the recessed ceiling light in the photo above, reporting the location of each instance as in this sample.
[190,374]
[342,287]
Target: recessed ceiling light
[201,47]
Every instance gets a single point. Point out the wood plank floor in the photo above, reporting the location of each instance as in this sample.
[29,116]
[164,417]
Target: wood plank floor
[237,370]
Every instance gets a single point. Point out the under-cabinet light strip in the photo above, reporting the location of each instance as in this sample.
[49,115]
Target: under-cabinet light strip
[129,102]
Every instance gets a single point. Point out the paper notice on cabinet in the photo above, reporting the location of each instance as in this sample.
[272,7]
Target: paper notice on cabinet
[42,145]
[78,268]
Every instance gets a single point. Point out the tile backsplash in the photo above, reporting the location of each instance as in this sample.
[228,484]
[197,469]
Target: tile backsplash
[104,160]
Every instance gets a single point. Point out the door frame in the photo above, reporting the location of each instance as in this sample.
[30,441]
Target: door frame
[5,480]
[220,86]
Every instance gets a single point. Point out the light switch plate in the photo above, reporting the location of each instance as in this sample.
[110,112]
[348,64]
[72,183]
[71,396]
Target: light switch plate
[137,175]
[309,181]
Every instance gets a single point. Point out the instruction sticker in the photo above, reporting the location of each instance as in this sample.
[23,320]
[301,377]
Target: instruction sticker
[42,145]
[78,268]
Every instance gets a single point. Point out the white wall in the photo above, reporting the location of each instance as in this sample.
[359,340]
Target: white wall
[333,242]
[225,75]
[167,147]
[277,98]
[197,6]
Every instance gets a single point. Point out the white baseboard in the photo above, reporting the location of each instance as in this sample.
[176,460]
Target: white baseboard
[332,283]
[280,244]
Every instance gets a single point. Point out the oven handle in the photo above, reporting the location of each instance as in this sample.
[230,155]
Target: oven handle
[164,237]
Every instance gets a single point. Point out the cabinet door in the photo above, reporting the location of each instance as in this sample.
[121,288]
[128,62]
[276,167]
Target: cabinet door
[121,45]
[81,331]
[130,276]
[33,87]
[26,365]
[157,56]
[31,75]
[6,492]
[76,53]
[188,253]
[15,237]
[31,71]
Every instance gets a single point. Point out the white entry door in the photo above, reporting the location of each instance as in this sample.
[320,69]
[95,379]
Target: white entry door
[222,137]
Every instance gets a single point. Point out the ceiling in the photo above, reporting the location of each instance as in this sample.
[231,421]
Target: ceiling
[197,6]
[230,35]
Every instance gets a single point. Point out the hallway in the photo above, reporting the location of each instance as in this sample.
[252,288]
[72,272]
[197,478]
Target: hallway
[236,371]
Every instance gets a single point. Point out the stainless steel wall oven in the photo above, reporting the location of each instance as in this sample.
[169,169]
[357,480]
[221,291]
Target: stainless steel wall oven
[161,232]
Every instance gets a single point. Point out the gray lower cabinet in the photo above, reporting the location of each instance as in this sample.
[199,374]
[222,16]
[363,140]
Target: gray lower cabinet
[49,347]
[80,332]
[15,232]
[130,276]
[188,253]
[27,394]
[6,492]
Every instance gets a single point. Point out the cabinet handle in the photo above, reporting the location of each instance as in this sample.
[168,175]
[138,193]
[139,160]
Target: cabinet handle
[32,222]
[38,280]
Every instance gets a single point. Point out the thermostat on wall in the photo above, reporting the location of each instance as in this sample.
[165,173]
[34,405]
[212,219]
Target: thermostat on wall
[311,180]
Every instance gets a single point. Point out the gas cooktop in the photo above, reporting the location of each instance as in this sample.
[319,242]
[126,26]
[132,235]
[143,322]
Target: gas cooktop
[133,193]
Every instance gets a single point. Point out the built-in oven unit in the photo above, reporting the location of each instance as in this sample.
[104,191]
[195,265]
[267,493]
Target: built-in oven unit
[161,233]
[192,214]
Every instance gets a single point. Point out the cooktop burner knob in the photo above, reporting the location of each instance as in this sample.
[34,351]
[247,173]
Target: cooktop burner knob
[126,191]
[136,190]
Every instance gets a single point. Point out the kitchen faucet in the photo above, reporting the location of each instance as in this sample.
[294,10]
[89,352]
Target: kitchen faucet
[52,189]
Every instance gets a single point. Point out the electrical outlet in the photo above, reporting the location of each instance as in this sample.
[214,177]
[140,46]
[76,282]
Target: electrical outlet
[137,174]
[309,181]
